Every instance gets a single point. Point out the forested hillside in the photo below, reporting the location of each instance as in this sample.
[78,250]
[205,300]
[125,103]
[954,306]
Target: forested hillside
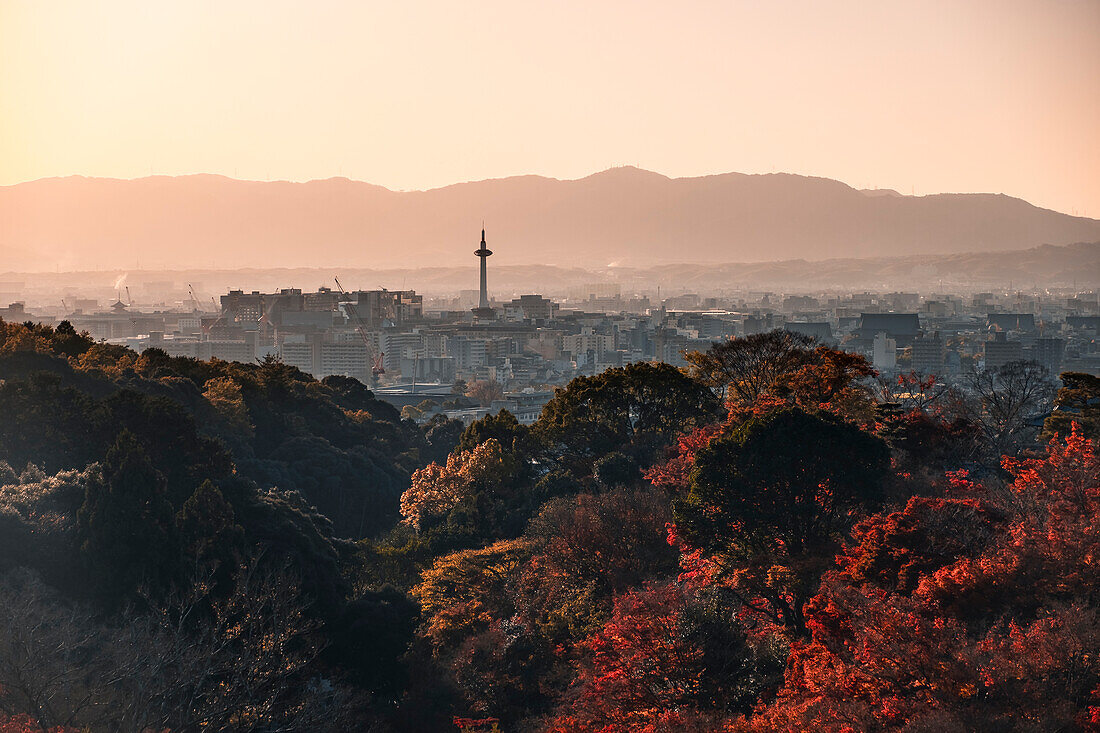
[770,540]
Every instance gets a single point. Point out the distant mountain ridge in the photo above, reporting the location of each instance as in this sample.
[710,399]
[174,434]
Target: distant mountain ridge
[623,216]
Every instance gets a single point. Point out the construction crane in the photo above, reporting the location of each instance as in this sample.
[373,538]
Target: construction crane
[194,300]
[265,311]
[377,368]
[207,329]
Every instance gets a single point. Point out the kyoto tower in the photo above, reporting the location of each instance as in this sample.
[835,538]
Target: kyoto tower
[483,311]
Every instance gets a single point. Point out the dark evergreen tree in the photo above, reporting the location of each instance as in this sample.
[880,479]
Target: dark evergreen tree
[126,526]
[636,409]
[208,533]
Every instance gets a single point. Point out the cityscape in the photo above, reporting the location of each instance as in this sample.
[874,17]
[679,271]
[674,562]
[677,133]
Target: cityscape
[573,367]
[423,352]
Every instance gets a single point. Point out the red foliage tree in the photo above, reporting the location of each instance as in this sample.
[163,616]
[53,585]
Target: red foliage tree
[478,725]
[999,631]
[26,724]
[640,676]
[591,548]
[674,475]
[831,380]
[897,550]
[926,443]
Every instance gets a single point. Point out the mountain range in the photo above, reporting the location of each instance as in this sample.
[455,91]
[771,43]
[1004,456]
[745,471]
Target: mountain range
[619,217]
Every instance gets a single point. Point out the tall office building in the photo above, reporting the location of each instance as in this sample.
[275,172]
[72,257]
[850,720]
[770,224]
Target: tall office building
[885,355]
[1000,351]
[927,354]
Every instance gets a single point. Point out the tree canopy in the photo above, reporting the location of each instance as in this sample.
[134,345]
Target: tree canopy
[202,545]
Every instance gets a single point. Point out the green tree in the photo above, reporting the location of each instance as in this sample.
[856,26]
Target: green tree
[504,428]
[126,523]
[224,395]
[616,469]
[441,435]
[768,503]
[1078,401]
[207,529]
[68,342]
[640,407]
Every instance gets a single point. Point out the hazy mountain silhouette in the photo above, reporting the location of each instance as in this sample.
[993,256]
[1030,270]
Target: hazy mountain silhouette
[624,215]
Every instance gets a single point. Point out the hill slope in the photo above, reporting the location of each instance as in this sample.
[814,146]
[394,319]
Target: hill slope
[622,215]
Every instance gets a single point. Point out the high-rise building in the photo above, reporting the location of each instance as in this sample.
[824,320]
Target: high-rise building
[885,355]
[587,340]
[1049,352]
[376,308]
[1000,351]
[468,352]
[323,358]
[927,354]
[397,345]
[535,307]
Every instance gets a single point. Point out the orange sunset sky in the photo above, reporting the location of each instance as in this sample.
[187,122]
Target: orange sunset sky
[922,96]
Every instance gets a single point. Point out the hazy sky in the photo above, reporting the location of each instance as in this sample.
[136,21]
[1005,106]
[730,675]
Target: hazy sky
[921,96]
